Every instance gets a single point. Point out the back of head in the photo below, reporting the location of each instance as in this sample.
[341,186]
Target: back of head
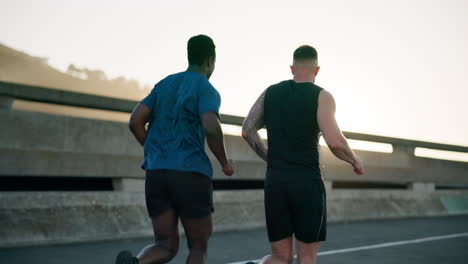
[305,64]
[305,54]
[199,49]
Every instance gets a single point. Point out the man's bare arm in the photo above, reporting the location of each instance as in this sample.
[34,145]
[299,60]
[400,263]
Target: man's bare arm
[254,122]
[332,133]
[215,140]
[140,116]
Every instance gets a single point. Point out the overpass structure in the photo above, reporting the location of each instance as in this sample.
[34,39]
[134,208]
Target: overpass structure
[72,179]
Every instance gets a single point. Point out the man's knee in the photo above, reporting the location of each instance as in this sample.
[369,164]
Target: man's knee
[173,251]
[200,244]
[170,245]
[286,258]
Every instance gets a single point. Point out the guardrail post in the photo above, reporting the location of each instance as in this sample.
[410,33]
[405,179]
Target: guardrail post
[403,149]
[403,154]
[422,187]
[128,185]
[6,102]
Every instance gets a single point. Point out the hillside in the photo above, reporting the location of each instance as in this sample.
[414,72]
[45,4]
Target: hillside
[19,67]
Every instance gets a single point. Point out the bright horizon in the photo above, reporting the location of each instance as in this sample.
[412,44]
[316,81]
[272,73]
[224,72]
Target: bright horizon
[395,68]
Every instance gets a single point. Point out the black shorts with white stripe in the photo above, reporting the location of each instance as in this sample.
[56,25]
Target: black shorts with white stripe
[295,208]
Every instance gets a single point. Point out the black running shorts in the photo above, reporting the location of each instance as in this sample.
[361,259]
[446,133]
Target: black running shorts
[296,208]
[189,193]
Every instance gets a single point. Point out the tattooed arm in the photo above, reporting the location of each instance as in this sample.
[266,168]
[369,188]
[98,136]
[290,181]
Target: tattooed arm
[254,122]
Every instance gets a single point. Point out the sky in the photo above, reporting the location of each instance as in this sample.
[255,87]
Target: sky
[396,68]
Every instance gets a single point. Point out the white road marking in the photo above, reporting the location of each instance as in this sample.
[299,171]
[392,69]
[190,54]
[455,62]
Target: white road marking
[381,245]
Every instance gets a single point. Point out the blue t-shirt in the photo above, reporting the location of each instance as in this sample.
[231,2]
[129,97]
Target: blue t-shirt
[175,138]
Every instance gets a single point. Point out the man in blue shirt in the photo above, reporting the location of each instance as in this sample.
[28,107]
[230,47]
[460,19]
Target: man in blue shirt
[181,111]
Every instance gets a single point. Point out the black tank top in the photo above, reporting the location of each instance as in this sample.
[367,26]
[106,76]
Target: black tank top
[290,111]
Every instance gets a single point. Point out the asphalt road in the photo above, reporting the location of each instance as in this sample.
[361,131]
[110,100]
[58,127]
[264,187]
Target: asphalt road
[422,240]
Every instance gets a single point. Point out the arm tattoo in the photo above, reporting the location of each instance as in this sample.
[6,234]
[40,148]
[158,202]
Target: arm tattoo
[254,122]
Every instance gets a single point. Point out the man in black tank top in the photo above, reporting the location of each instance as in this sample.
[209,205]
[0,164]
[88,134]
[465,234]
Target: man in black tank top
[294,113]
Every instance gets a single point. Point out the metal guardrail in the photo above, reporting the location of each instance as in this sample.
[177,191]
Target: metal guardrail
[61,97]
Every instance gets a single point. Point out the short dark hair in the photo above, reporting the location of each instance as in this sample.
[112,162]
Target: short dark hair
[305,52]
[199,49]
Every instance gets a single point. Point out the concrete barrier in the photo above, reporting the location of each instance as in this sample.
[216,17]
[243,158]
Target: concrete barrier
[37,218]
[42,218]
[38,145]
